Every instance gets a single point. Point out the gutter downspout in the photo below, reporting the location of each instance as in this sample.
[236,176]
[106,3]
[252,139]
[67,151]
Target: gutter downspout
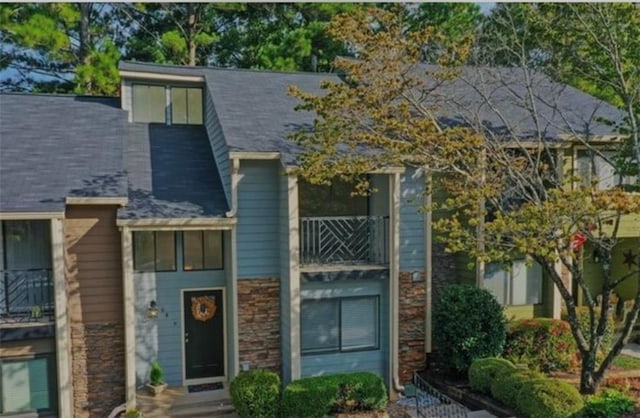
[394,286]
[428,254]
[235,169]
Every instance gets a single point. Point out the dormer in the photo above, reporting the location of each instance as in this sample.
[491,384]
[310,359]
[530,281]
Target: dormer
[153,94]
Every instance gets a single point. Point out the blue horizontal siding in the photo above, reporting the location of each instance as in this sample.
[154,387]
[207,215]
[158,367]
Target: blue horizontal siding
[411,222]
[375,361]
[161,339]
[258,233]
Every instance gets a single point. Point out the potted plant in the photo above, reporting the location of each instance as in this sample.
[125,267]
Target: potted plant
[36,312]
[156,376]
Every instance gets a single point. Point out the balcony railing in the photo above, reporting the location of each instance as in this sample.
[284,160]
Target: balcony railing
[26,295]
[344,240]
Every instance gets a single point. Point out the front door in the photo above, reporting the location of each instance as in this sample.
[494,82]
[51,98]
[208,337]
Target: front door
[203,334]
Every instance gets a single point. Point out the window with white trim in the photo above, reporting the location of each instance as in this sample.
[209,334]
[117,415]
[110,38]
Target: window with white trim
[340,324]
[591,166]
[520,285]
[28,385]
[153,103]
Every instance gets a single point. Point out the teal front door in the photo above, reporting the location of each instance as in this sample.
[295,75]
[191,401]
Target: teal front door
[204,334]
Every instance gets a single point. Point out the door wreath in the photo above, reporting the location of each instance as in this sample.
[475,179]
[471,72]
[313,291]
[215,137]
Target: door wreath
[203,308]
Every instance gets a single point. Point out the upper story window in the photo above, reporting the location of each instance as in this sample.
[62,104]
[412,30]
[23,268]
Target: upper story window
[591,167]
[159,104]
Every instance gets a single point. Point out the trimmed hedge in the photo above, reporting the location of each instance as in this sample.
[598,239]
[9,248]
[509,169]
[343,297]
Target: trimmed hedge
[320,396]
[543,344]
[506,386]
[256,393]
[549,398]
[483,371]
[468,324]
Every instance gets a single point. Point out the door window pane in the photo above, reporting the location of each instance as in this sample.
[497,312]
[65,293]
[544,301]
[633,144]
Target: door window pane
[165,251]
[193,258]
[319,325]
[359,325]
[149,103]
[213,250]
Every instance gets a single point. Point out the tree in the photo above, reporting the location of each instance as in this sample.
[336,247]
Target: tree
[280,36]
[508,194]
[172,33]
[59,47]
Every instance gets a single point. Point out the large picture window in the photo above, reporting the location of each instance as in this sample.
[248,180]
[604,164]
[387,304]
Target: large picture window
[154,251]
[202,250]
[149,103]
[340,324]
[27,385]
[521,285]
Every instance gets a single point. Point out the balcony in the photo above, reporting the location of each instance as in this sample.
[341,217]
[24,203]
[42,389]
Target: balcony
[344,240]
[26,296]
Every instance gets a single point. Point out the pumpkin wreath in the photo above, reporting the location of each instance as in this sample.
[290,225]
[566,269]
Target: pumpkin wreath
[203,308]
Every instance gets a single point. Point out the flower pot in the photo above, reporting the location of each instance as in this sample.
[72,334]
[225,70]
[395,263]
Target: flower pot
[156,389]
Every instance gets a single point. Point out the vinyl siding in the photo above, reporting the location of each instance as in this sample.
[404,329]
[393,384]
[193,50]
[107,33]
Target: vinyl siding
[412,229]
[161,339]
[258,239]
[375,361]
[93,264]
[218,145]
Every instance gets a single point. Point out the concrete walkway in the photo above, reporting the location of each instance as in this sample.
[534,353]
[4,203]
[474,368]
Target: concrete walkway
[632,350]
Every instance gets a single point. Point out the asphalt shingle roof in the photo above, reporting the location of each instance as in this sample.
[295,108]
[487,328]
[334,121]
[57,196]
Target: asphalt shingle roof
[172,173]
[55,146]
[257,115]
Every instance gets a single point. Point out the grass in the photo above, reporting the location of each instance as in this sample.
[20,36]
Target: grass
[627,362]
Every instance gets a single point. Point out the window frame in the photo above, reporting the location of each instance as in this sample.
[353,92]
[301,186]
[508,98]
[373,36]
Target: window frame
[202,231]
[509,293]
[339,349]
[155,253]
[52,383]
[168,103]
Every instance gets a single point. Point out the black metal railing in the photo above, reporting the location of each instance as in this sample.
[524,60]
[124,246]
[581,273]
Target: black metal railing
[26,295]
[344,240]
[430,403]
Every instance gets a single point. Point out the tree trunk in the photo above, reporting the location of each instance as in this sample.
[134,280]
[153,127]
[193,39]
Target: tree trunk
[191,30]
[589,379]
[84,40]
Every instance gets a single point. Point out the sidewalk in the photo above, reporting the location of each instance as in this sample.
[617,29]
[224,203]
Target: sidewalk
[632,350]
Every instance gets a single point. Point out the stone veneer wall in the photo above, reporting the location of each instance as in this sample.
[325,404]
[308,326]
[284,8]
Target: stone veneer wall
[97,369]
[412,323]
[259,323]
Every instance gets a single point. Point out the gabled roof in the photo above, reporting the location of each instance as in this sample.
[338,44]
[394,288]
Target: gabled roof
[257,115]
[53,147]
[172,174]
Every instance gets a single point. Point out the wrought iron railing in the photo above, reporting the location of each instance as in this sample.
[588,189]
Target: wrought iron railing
[26,295]
[430,403]
[344,240]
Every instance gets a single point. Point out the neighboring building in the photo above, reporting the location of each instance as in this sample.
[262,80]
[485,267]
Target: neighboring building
[167,225]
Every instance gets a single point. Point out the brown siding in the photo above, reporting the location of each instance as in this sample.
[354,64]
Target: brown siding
[94,264]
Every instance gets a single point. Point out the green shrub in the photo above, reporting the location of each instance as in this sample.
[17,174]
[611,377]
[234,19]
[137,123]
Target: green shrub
[256,394]
[156,374]
[505,386]
[483,371]
[609,404]
[320,396]
[549,398]
[542,344]
[468,324]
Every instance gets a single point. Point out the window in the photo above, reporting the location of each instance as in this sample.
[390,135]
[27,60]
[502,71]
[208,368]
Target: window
[340,324]
[202,250]
[27,385]
[591,166]
[186,105]
[154,251]
[150,104]
[522,285]
[27,245]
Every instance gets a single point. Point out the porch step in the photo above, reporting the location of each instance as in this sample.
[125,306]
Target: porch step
[177,403]
[217,409]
